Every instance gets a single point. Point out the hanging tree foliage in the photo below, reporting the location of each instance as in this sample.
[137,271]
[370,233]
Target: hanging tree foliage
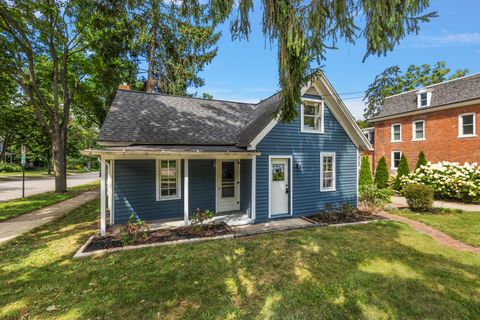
[304,31]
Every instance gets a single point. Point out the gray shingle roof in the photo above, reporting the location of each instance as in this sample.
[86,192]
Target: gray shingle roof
[142,118]
[453,91]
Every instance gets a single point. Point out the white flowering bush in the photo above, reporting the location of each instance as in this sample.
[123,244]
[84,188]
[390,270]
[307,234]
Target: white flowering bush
[449,180]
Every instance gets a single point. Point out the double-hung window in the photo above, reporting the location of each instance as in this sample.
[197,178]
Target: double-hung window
[396,132]
[418,130]
[168,179]
[396,156]
[466,125]
[312,116]
[327,171]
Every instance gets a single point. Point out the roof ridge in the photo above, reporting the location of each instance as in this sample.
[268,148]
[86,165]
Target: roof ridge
[435,84]
[185,97]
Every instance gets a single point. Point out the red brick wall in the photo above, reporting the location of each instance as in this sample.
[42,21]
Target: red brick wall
[441,133]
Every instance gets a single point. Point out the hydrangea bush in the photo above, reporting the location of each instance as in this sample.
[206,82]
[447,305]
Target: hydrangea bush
[449,180]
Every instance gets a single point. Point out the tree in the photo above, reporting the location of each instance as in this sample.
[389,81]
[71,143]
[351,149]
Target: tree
[422,161]
[381,175]
[176,43]
[403,170]
[392,81]
[365,177]
[304,31]
[40,50]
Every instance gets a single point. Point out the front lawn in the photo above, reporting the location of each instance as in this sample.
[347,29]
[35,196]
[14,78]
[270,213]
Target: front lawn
[463,226]
[379,270]
[13,208]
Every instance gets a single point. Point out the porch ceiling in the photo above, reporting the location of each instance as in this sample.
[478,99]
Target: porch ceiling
[171,150]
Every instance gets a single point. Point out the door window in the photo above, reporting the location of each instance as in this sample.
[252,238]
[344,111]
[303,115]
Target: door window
[228,179]
[278,172]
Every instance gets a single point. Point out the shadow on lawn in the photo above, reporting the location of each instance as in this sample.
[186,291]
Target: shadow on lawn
[378,270]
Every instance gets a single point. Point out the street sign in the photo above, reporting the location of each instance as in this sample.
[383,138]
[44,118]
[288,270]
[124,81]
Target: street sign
[23,159]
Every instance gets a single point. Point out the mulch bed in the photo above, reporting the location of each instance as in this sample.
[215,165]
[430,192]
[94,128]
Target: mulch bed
[343,217]
[161,235]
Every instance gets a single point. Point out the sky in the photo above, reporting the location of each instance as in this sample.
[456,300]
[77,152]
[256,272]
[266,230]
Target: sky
[247,70]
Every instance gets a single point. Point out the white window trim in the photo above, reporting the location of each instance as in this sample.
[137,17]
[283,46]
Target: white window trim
[179,181]
[322,113]
[460,125]
[419,99]
[392,138]
[392,162]
[414,124]
[334,184]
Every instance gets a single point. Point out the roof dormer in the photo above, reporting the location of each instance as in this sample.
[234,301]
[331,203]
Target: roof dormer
[424,98]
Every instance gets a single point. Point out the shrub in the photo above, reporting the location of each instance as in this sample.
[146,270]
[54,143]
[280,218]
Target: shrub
[381,175]
[449,180]
[199,216]
[421,160]
[9,167]
[365,177]
[136,230]
[419,196]
[372,198]
[403,170]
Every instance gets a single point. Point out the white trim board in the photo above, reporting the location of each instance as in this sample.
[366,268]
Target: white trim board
[290,185]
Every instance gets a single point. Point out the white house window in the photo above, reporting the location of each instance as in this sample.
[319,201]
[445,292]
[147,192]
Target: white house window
[396,156]
[312,116]
[168,179]
[424,98]
[418,128]
[466,125]
[396,132]
[327,171]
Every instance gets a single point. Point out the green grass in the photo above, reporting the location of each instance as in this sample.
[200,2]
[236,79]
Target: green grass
[376,271]
[463,226]
[13,208]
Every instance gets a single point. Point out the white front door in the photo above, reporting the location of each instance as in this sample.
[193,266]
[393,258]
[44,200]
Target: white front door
[228,185]
[279,186]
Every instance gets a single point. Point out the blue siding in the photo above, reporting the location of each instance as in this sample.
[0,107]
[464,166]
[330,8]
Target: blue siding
[201,184]
[286,139]
[245,186]
[135,185]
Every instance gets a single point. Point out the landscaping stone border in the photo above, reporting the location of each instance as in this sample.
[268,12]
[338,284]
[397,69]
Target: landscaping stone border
[81,254]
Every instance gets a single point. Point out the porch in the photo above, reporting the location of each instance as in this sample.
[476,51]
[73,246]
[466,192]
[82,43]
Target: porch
[163,186]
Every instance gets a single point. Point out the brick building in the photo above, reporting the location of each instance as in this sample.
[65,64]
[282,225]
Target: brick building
[442,120]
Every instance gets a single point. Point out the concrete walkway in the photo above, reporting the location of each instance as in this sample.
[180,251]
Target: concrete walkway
[402,202]
[437,235]
[14,227]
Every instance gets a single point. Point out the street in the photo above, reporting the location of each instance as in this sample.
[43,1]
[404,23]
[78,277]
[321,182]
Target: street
[12,188]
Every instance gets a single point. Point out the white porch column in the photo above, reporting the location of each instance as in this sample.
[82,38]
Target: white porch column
[254,188]
[185,192]
[111,164]
[103,200]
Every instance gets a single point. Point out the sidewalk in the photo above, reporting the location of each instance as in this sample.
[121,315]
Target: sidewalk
[401,202]
[437,235]
[14,227]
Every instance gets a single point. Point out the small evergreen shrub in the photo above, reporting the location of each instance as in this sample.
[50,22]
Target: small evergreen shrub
[381,175]
[419,197]
[365,177]
[403,170]
[422,161]
[372,198]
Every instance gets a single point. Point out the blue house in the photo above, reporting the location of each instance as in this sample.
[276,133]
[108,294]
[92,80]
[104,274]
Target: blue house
[164,156]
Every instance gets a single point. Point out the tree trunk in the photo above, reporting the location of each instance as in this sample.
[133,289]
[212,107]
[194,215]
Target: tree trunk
[3,155]
[49,161]
[151,82]
[59,162]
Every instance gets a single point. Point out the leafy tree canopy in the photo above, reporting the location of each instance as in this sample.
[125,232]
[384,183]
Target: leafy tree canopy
[392,81]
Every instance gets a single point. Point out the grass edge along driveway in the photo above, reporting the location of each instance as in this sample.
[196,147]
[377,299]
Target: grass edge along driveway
[461,225]
[16,207]
[379,270]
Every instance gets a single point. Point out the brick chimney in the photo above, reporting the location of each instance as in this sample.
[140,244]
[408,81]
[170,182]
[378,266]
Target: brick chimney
[124,86]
